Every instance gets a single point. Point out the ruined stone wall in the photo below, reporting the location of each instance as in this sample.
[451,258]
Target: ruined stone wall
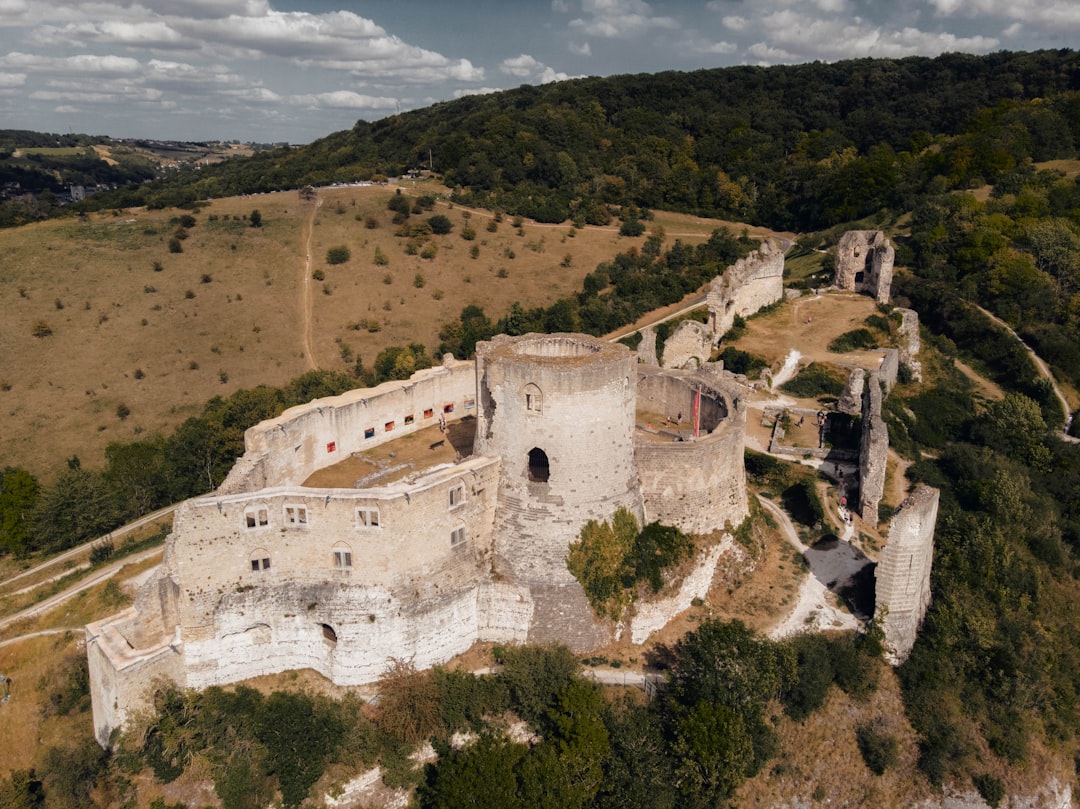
[851,396]
[873,452]
[864,263]
[697,485]
[889,369]
[651,616]
[746,286]
[308,437]
[690,346]
[903,572]
[569,398]
[910,343]
[122,679]
[646,350]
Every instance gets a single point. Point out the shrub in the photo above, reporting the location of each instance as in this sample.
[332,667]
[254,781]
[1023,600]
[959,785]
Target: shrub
[631,227]
[879,749]
[429,251]
[175,246]
[370,222]
[205,278]
[122,411]
[418,281]
[338,255]
[319,275]
[41,329]
[815,380]
[381,259]
[742,362]
[468,233]
[158,267]
[990,788]
[255,219]
[440,225]
[854,340]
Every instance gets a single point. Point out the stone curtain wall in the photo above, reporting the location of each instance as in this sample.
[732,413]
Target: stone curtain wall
[689,347]
[903,572]
[309,437]
[746,286]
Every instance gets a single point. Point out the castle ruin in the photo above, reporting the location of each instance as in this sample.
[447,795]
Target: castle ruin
[864,263]
[353,532]
[749,284]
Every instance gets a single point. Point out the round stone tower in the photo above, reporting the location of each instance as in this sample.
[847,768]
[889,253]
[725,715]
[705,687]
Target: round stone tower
[559,410]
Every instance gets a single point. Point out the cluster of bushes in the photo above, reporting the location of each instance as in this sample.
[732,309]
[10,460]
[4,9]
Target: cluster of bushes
[816,380]
[611,559]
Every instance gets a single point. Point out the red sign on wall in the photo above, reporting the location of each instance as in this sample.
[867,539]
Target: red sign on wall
[331,446]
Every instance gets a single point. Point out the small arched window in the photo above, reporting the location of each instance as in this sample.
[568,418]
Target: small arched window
[539,468]
[534,399]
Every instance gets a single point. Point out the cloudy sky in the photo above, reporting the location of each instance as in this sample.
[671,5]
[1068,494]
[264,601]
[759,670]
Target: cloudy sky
[296,70]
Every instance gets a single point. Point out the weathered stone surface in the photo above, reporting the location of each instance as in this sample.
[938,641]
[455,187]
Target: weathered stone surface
[746,286]
[646,350]
[864,263]
[851,396]
[910,343]
[873,452]
[903,572]
[689,346]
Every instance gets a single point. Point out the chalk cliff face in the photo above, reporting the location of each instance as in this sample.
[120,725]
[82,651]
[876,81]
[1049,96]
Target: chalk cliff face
[864,263]
[272,573]
[903,572]
[745,287]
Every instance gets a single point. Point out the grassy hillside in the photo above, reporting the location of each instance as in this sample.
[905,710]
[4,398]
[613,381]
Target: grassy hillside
[232,309]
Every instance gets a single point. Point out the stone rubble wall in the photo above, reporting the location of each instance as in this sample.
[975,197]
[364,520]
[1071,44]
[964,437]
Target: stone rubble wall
[690,346]
[851,396]
[873,452]
[646,350]
[889,369]
[903,572]
[910,342]
[749,284]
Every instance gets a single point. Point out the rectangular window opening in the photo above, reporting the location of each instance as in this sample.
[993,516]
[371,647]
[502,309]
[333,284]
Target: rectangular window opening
[429,413]
[296,515]
[457,537]
[367,518]
[388,426]
[457,496]
[369,432]
[448,408]
[409,419]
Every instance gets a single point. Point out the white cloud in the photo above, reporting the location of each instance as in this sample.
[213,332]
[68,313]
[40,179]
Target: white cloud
[83,63]
[474,91]
[345,99]
[735,23]
[581,50]
[717,48]
[8,80]
[1052,16]
[520,66]
[525,66]
[560,6]
[615,19]
[794,36]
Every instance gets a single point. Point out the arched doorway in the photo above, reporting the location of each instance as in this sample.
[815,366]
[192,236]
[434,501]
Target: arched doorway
[539,468]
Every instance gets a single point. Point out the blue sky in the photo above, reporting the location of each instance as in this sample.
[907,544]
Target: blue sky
[296,70]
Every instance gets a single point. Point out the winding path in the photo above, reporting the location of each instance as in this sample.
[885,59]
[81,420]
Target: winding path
[306,298]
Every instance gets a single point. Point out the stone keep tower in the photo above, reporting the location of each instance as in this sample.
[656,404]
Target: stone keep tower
[559,411]
[864,263]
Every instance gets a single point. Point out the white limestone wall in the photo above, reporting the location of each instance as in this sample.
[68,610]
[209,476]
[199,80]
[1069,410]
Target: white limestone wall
[303,439]
[864,263]
[903,573]
[572,397]
[746,286]
[652,616]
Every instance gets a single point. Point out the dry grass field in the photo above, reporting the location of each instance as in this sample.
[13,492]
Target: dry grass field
[238,307]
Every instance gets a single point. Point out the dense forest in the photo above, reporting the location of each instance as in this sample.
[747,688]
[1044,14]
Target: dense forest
[793,147]
[900,144]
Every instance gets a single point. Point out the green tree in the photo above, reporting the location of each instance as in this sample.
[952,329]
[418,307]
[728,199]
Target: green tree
[255,219]
[18,495]
[714,752]
[481,775]
[1014,426]
[602,559]
[440,225]
[79,506]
